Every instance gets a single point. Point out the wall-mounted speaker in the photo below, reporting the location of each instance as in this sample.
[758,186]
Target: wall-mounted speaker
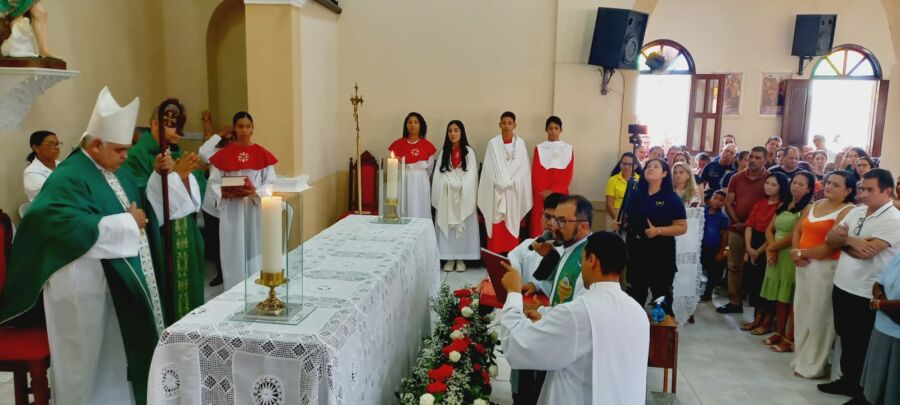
[813,34]
[618,38]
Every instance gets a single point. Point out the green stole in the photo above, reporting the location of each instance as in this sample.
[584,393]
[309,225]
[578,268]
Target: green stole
[62,225]
[568,275]
[188,260]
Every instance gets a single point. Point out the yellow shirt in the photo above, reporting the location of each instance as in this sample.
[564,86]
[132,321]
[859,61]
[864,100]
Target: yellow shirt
[616,186]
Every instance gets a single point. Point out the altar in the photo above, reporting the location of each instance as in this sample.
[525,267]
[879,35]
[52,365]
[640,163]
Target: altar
[371,285]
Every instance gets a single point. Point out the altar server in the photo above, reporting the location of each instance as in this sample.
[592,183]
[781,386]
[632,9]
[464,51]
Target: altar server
[552,168]
[595,347]
[453,193]
[504,191]
[419,154]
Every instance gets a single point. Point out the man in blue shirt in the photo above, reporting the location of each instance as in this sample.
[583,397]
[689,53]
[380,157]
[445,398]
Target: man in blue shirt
[715,171]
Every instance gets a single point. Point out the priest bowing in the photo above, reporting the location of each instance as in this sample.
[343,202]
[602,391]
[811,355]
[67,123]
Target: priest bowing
[595,347]
[552,168]
[504,191]
[83,243]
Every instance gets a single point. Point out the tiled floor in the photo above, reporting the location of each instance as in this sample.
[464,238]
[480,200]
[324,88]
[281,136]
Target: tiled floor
[718,364]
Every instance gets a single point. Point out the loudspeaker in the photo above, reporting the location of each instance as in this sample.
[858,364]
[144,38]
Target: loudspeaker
[618,38]
[813,34]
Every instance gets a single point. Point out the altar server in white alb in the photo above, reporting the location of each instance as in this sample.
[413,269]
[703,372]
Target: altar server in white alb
[595,347]
[453,191]
[504,191]
[418,153]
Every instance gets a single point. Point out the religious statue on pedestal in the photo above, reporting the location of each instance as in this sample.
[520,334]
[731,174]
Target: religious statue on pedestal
[24,35]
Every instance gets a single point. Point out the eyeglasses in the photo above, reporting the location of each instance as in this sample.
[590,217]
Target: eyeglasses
[52,144]
[563,221]
[859,225]
[627,164]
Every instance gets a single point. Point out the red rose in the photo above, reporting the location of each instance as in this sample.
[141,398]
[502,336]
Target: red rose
[476,367]
[459,345]
[441,373]
[480,348]
[463,293]
[460,321]
[464,302]
[486,376]
[436,387]
[457,327]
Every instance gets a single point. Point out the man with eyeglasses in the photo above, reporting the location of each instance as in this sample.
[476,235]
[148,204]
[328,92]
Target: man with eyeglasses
[869,236]
[571,226]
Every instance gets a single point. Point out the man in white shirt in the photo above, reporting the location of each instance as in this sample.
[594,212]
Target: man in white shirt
[869,236]
[594,347]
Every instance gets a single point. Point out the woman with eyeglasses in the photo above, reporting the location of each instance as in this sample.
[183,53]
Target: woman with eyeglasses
[627,167]
[43,157]
[655,217]
[814,276]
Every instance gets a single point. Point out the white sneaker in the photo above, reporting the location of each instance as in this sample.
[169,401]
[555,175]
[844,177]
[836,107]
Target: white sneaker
[460,266]
[448,266]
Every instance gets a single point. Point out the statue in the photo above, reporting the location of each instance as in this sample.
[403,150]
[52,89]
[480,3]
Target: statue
[24,26]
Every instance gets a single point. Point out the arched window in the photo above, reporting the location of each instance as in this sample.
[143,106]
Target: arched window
[848,62]
[664,56]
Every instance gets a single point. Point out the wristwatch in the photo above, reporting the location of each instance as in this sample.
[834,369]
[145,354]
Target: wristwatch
[799,252]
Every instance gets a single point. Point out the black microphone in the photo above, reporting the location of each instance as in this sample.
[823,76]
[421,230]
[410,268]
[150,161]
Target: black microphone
[547,235]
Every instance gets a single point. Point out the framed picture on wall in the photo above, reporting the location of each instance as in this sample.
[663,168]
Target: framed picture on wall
[731,102]
[771,95]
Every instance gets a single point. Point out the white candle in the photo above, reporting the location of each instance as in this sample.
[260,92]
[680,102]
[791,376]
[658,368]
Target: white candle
[393,166]
[271,235]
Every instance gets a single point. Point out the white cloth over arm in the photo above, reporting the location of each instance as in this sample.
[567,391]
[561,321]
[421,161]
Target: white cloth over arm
[86,348]
[504,192]
[182,202]
[209,148]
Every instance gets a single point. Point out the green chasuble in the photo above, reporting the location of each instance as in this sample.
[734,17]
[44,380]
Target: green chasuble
[189,263]
[568,276]
[62,225]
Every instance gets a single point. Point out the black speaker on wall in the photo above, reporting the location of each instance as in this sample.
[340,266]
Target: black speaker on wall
[618,38]
[813,34]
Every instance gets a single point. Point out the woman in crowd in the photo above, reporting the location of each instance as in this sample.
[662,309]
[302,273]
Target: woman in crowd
[43,158]
[778,192]
[778,284]
[453,193]
[247,159]
[656,152]
[815,266]
[880,379]
[863,165]
[618,180]
[656,216]
[820,160]
[685,186]
[419,155]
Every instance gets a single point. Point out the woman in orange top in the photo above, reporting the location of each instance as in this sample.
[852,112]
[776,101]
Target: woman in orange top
[813,318]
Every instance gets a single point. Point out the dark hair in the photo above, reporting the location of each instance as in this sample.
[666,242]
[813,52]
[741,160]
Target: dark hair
[448,147]
[774,138]
[784,187]
[721,193]
[859,151]
[868,159]
[821,152]
[550,120]
[423,127]
[509,114]
[240,114]
[849,182]
[760,149]
[583,207]
[553,200]
[36,139]
[636,168]
[666,187]
[743,154]
[703,156]
[789,148]
[609,249]
[811,180]
[884,177]
[731,135]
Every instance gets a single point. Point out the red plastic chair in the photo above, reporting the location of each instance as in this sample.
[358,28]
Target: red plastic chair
[24,350]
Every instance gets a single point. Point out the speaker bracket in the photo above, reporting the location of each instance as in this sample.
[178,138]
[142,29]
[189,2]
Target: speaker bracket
[604,81]
[802,63]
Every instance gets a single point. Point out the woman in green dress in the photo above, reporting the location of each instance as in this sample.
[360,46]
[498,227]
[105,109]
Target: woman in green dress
[778,284]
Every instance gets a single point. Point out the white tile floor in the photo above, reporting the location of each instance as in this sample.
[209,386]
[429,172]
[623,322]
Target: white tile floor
[719,364]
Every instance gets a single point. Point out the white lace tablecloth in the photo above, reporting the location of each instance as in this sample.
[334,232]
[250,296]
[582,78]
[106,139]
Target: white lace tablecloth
[371,285]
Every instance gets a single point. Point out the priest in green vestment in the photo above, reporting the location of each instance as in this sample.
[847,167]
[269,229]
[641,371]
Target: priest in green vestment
[83,243]
[572,226]
[188,258]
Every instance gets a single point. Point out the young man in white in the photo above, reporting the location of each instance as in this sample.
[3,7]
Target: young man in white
[595,347]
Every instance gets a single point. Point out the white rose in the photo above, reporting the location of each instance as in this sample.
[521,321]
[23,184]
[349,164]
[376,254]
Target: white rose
[426,399]
[467,312]
[493,370]
[495,335]
[457,334]
[475,303]
[480,401]
[455,356]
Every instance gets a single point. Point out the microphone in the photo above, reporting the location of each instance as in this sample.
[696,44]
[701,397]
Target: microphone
[547,235]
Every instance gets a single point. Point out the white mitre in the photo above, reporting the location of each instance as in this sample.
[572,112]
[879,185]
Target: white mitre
[111,122]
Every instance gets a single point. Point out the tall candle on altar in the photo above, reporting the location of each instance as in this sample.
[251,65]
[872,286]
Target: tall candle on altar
[270,221]
[393,166]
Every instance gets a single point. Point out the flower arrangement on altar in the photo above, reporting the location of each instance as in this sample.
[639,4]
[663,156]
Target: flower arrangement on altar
[457,362]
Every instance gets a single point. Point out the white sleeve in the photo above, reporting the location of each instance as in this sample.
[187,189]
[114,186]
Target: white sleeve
[119,237]
[33,184]
[181,202]
[264,189]
[548,344]
[209,148]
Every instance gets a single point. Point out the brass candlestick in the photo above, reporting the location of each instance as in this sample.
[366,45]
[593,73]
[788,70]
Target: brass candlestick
[272,306]
[390,210]
[357,101]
